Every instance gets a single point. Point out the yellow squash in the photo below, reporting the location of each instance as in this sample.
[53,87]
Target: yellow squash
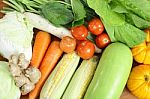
[141,53]
[139,81]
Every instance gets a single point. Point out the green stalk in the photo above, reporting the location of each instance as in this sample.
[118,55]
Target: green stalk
[11,5]
[40,1]
[6,10]
[64,3]
[14,2]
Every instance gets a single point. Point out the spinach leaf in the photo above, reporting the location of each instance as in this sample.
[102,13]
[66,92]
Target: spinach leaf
[77,23]
[57,13]
[78,11]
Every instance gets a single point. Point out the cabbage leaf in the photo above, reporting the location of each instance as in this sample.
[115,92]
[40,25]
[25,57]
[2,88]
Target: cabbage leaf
[8,89]
[16,35]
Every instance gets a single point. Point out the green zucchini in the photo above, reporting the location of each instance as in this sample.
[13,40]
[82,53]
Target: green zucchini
[111,74]
[81,79]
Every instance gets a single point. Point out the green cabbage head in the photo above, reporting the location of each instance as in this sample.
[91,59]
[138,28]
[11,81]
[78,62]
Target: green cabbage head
[8,89]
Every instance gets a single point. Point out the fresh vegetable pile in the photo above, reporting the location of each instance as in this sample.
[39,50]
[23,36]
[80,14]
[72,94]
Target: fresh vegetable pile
[76,49]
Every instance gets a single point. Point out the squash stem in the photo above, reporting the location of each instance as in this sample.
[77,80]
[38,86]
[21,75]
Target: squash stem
[148,44]
[147,78]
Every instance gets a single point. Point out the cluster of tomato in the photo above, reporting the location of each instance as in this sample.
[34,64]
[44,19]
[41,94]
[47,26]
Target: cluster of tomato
[84,47]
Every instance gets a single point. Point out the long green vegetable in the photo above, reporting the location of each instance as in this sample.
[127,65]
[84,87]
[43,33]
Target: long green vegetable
[111,74]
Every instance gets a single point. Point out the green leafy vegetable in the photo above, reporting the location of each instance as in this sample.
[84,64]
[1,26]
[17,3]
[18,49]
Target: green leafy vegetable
[78,11]
[138,21]
[57,13]
[117,7]
[139,7]
[115,23]
[131,17]
[8,88]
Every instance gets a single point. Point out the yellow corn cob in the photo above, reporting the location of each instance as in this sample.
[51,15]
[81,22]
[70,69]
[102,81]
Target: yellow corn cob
[81,79]
[60,77]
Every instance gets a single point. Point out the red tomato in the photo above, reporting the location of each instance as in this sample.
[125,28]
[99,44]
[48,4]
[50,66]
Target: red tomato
[85,49]
[79,32]
[96,26]
[68,44]
[102,40]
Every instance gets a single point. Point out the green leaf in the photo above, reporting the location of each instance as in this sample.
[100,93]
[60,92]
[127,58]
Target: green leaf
[78,10]
[90,13]
[116,27]
[91,37]
[67,1]
[131,17]
[138,21]
[129,35]
[77,23]
[110,30]
[102,8]
[117,7]
[57,13]
[139,7]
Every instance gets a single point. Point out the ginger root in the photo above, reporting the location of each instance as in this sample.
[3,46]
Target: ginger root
[26,88]
[21,80]
[14,69]
[22,62]
[33,74]
[25,77]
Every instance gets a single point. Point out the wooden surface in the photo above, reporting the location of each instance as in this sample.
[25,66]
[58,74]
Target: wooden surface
[125,95]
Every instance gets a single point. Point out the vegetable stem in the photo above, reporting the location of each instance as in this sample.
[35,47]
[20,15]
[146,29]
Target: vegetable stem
[64,3]
[148,44]
[11,5]
[16,5]
[147,78]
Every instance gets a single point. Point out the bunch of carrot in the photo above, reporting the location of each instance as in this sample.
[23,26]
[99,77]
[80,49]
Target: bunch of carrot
[46,53]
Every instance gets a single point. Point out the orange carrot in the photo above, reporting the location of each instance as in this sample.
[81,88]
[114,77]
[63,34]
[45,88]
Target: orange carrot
[49,62]
[41,44]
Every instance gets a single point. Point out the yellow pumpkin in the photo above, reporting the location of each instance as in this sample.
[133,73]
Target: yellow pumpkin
[141,52]
[139,81]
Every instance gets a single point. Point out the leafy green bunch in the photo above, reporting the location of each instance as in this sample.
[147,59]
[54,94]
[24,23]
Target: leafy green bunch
[67,12]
